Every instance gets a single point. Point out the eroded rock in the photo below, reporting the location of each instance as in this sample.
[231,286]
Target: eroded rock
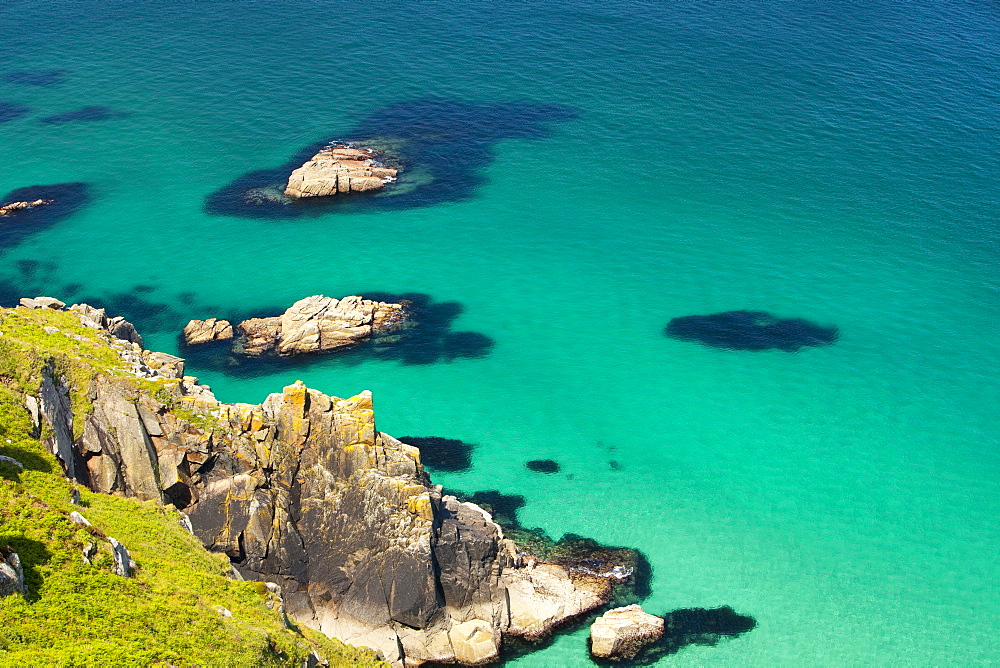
[203,331]
[339,170]
[11,573]
[622,632]
[302,490]
[15,207]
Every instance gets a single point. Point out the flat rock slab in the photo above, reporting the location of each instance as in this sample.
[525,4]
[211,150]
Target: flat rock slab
[339,170]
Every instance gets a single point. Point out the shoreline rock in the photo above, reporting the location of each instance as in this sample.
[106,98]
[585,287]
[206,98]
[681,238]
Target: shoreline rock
[339,170]
[203,331]
[621,633]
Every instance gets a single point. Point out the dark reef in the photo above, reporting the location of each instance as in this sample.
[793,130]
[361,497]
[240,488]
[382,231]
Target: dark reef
[43,78]
[543,465]
[86,114]
[750,330]
[11,110]
[442,454]
[441,144]
[67,198]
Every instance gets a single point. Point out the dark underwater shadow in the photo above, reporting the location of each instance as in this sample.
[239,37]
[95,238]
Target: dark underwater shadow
[41,78]
[84,114]
[67,199]
[571,551]
[442,454]
[426,339]
[690,626]
[10,111]
[750,330]
[442,145]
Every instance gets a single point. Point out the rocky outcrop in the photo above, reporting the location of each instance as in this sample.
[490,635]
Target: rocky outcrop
[42,302]
[304,491]
[11,573]
[314,324]
[339,170]
[620,633]
[203,331]
[15,207]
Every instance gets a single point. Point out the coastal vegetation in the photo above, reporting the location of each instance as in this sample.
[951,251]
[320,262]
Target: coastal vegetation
[182,605]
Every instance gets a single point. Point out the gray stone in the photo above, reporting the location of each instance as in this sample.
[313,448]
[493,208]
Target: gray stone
[42,302]
[77,518]
[11,574]
[123,560]
[13,462]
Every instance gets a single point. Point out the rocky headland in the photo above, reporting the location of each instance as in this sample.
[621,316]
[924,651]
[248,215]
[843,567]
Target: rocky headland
[302,490]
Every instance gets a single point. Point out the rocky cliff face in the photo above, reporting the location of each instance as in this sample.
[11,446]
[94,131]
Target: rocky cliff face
[303,490]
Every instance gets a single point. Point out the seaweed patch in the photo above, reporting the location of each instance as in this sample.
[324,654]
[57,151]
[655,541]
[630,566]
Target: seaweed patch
[750,330]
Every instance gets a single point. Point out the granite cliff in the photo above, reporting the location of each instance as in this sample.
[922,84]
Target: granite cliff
[304,491]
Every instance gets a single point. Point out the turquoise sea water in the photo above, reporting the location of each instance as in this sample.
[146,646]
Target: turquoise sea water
[831,161]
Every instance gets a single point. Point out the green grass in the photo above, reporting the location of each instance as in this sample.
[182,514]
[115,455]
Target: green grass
[80,614]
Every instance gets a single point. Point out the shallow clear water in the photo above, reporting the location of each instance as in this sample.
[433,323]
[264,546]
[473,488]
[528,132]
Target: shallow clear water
[628,163]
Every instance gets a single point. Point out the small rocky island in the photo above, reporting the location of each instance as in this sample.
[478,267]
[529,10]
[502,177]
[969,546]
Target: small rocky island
[314,324]
[14,207]
[339,170]
[302,491]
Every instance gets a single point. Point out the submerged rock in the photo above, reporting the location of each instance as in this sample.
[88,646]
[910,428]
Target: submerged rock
[750,330]
[14,207]
[543,466]
[339,170]
[622,632]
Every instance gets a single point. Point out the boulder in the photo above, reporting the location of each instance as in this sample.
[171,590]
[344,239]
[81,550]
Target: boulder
[42,302]
[11,573]
[258,335]
[339,170]
[165,365]
[620,633]
[124,330]
[203,331]
[475,642]
[123,560]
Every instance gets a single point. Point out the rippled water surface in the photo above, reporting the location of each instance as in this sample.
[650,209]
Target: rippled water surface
[588,172]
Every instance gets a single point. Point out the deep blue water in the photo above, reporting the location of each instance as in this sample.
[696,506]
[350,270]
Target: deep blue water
[582,174]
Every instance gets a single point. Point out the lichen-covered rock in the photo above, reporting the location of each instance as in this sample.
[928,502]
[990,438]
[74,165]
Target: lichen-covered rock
[339,170]
[203,331]
[304,491]
[620,633]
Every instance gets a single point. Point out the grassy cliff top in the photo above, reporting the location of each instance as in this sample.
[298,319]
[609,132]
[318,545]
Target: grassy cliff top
[179,609]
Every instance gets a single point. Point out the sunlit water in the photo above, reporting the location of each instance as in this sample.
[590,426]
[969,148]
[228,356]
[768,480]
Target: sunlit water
[615,165]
